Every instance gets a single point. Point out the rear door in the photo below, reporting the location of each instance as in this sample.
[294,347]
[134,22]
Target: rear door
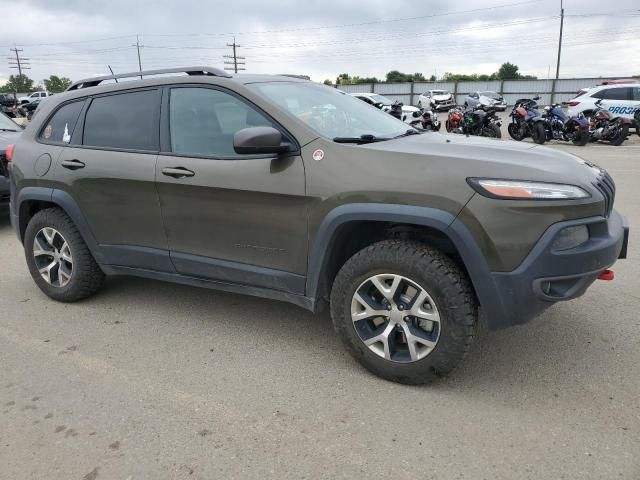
[229,217]
[619,101]
[108,168]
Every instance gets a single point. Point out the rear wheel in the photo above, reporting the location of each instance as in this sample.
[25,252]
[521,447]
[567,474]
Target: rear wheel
[581,137]
[492,131]
[58,258]
[621,135]
[404,310]
[538,133]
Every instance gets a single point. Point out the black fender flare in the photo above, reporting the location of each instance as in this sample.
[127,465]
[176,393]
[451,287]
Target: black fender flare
[67,203]
[445,222]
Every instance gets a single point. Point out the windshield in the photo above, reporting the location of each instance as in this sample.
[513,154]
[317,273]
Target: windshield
[330,112]
[7,124]
[440,92]
[493,95]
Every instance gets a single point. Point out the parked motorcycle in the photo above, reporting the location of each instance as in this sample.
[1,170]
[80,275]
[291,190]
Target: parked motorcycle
[559,126]
[479,121]
[526,120]
[396,110]
[425,120]
[604,126]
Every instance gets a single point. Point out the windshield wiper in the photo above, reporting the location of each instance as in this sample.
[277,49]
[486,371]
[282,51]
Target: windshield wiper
[411,131]
[366,138]
[7,130]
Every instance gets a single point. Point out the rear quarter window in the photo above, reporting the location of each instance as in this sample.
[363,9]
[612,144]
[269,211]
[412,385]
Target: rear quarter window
[60,126]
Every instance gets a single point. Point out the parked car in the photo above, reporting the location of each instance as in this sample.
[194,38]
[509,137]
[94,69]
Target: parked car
[619,99]
[385,104]
[436,100]
[9,133]
[28,109]
[286,189]
[34,96]
[8,104]
[486,99]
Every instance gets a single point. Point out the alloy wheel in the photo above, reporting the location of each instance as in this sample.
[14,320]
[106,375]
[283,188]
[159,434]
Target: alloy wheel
[395,318]
[53,257]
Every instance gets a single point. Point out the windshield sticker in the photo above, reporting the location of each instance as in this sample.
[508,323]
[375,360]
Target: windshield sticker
[47,132]
[318,155]
[66,138]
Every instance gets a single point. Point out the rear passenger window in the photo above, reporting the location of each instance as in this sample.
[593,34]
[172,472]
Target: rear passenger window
[202,121]
[60,126]
[636,93]
[618,94]
[127,120]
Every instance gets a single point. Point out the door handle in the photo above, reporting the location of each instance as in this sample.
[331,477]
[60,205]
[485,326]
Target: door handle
[177,172]
[72,164]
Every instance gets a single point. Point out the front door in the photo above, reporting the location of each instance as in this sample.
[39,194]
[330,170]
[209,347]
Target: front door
[233,218]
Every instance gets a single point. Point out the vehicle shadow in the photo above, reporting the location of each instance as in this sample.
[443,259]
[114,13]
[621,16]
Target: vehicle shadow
[549,351]
[5,222]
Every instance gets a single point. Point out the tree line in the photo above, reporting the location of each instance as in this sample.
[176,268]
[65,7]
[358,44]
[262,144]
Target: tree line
[23,84]
[507,71]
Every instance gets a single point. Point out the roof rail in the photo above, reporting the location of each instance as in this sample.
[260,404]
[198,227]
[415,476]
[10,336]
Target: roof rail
[94,81]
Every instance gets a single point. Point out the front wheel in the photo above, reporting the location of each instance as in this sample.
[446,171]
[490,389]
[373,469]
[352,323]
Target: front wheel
[581,137]
[620,136]
[404,310]
[492,131]
[514,131]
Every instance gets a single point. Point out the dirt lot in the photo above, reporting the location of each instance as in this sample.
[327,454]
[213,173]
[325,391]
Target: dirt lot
[148,380]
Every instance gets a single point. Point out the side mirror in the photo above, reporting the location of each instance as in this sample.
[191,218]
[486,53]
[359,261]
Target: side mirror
[258,140]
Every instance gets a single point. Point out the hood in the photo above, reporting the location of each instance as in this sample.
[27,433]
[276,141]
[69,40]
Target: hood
[490,100]
[485,157]
[409,109]
[439,98]
[8,137]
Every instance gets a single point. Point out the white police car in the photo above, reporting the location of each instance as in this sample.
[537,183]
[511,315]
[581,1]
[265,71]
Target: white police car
[621,100]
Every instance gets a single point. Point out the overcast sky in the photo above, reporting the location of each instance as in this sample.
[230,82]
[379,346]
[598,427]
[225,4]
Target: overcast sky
[79,38]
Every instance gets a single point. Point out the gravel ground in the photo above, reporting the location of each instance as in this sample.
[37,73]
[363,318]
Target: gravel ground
[153,380]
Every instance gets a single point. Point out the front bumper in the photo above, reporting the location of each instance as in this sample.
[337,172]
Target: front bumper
[547,276]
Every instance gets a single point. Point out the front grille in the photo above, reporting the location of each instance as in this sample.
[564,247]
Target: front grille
[607,188]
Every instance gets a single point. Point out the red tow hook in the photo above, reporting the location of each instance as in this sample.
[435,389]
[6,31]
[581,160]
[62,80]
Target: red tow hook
[607,275]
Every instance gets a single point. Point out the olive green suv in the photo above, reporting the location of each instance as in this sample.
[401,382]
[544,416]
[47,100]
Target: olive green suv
[281,188]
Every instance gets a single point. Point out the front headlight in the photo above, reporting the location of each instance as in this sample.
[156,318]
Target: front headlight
[524,190]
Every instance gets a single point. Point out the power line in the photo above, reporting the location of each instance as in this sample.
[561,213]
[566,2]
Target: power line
[235,59]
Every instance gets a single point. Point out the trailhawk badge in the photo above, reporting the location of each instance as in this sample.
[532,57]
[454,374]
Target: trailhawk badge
[318,155]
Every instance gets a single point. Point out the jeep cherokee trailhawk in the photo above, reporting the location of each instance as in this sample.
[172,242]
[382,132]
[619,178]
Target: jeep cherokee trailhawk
[282,188]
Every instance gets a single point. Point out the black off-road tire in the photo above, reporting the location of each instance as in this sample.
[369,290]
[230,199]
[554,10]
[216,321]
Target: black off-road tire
[86,277]
[447,284]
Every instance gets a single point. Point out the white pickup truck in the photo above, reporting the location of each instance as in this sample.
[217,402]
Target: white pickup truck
[33,96]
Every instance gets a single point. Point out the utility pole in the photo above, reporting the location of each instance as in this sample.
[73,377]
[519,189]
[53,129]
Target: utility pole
[137,45]
[560,39]
[20,62]
[235,59]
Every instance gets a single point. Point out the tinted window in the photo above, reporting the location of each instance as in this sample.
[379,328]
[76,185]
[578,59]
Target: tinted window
[202,121]
[61,125]
[600,94]
[126,120]
[618,94]
[636,93]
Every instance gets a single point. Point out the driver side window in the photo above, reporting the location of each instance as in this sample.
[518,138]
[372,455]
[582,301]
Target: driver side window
[202,121]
